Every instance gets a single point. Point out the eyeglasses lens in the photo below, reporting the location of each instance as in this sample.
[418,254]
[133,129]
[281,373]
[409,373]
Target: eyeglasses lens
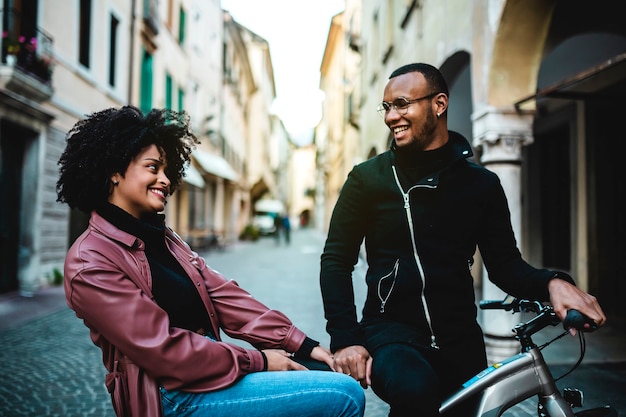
[401,105]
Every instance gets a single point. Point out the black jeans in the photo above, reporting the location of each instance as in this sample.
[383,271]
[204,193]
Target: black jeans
[404,379]
[413,378]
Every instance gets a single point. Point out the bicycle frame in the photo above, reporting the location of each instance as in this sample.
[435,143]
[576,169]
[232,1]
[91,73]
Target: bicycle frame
[509,382]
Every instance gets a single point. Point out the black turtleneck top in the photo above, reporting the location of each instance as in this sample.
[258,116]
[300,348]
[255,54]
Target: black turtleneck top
[173,291]
[416,165]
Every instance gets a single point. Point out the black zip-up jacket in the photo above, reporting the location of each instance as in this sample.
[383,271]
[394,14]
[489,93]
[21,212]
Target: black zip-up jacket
[421,235]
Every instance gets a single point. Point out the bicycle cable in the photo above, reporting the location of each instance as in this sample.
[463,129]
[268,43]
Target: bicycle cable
[583,347]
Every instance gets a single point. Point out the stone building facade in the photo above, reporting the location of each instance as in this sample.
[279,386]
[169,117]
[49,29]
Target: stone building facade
[536,87]
[63,60]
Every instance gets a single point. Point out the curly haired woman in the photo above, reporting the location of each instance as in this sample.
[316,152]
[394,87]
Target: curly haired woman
[155,308]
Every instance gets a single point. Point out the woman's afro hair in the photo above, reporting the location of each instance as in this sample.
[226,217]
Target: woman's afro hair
[105,142]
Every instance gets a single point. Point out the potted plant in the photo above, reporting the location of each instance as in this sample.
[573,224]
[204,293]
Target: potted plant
[22,52]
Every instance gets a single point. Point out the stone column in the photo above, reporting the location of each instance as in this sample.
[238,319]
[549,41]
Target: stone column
[500,134]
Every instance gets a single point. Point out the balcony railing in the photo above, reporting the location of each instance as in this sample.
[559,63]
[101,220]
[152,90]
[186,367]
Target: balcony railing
[25,47]
[32,55]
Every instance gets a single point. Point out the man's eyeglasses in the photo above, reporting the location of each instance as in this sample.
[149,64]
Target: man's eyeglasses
[401,105]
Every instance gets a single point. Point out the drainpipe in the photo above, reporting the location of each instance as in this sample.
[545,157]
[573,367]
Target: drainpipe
[131,61]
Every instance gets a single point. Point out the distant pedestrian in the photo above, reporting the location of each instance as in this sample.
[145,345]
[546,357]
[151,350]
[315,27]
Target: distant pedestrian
[155,308]
[278,226]
[287,229]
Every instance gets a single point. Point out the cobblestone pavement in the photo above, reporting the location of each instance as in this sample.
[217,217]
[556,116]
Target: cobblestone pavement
[49,367]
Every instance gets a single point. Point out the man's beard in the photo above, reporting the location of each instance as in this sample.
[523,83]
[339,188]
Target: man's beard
[424,137]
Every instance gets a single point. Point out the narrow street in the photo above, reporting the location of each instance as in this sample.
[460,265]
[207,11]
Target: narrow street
[49,367]
[286,278]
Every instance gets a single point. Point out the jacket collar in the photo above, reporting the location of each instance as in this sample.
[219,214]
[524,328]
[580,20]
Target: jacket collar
[460,149]
[460,146]
[103,226]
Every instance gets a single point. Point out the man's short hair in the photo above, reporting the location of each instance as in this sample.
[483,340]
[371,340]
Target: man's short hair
[433,76]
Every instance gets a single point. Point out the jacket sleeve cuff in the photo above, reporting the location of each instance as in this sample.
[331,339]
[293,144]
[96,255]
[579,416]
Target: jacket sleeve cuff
[563,276]
[306,348]
[556,275]
[258,361]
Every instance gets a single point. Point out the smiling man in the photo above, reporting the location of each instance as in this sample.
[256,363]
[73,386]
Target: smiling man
[422,208]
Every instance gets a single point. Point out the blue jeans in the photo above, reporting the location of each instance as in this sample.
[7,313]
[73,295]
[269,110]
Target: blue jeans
[273,394]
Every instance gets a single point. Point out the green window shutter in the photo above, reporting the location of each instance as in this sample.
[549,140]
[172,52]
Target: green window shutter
[181,99]
[145,95]
[181,26]
[168,91]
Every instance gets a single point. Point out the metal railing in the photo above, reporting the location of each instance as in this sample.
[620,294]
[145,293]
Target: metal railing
[28,52]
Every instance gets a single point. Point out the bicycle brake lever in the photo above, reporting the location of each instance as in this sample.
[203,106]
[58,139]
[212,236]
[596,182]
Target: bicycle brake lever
[530,306]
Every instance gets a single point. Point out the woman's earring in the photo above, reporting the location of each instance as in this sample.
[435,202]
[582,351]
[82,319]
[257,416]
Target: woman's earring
[438,115]
[116,182]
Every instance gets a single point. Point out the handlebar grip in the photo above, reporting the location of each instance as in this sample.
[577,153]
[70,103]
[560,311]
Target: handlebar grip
[490,304]
[575,319]
[509,303]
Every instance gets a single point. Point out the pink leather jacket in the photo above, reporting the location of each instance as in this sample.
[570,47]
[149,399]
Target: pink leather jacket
[108,284]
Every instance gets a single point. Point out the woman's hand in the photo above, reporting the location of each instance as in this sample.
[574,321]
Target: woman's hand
[280,360]
[322,354]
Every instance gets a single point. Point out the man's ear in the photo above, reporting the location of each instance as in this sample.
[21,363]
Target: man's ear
[441,104]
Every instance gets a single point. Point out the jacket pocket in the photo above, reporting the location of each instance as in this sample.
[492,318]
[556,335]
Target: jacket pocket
[386,283]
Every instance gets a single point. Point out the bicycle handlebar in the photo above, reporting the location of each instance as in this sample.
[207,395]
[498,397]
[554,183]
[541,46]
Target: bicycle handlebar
[510,303]
[574,318]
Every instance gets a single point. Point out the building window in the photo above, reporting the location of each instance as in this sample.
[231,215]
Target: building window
[113,50]
[145,99]
[84,38]
[376,41]
[150,15]
[225,64]
[197,208]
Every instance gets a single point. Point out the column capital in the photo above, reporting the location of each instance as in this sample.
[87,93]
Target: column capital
[501,133]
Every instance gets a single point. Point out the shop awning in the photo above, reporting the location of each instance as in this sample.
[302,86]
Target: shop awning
[193,177]
[215,165]
[585,84]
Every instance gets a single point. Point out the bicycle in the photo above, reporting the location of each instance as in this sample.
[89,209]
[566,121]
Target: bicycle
[505,384]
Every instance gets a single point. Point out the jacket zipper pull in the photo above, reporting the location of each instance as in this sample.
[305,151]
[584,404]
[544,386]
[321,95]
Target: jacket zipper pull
[433,343]
[406,201]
